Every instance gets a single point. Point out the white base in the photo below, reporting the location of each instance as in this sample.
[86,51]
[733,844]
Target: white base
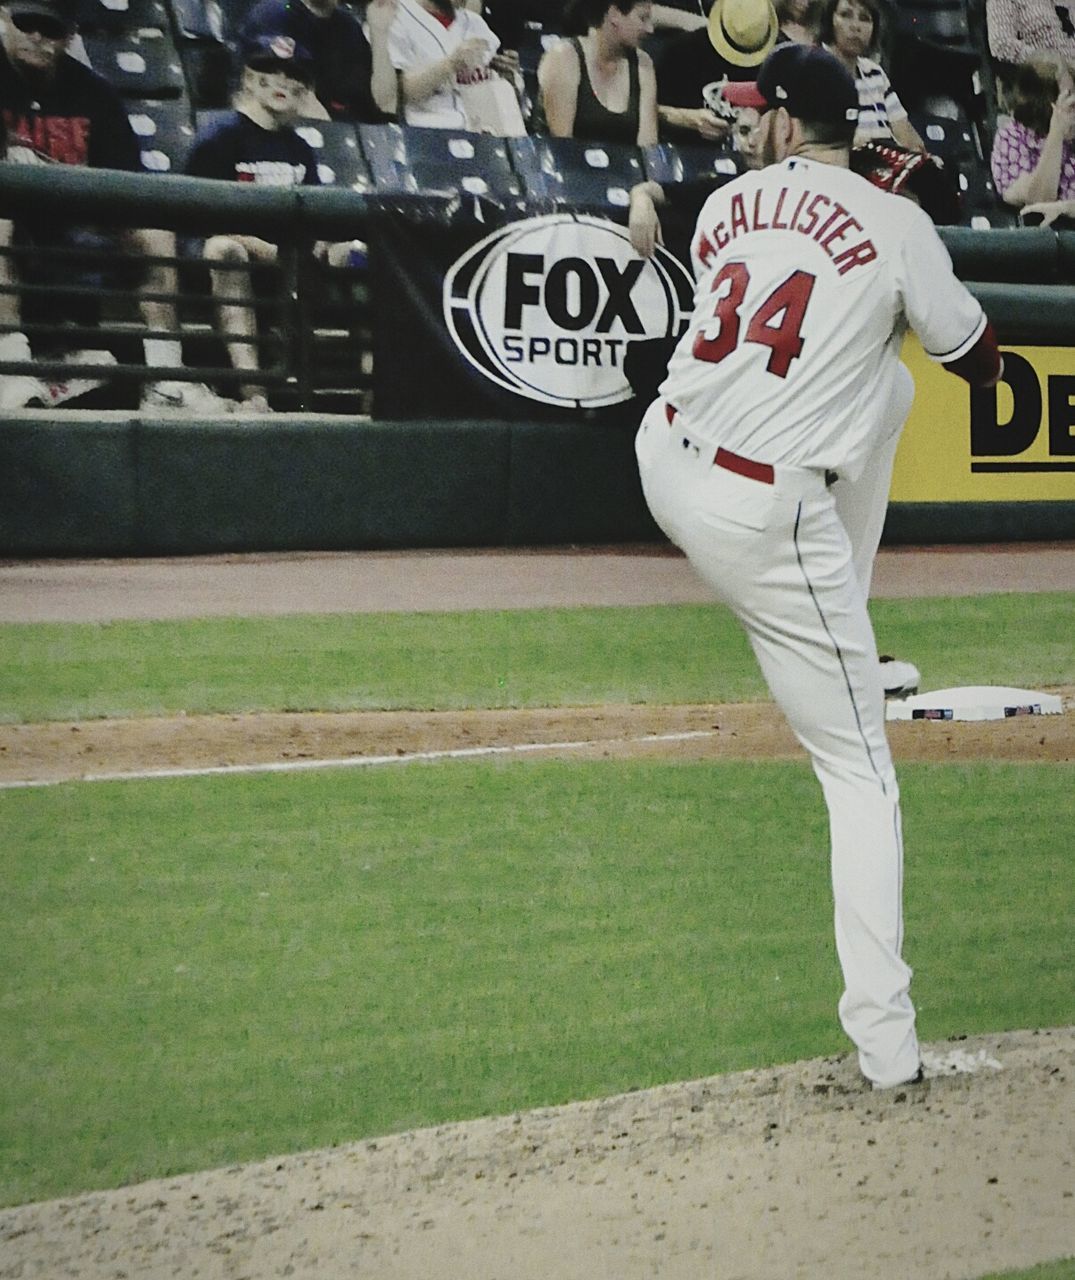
[974,702]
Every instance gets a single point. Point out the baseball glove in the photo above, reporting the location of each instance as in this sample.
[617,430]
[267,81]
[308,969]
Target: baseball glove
[909,173]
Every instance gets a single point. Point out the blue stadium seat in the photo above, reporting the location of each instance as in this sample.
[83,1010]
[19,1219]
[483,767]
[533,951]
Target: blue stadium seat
[199,20]
[409,159]
[340,162]
[672,164]
[117,16]
[941,23]
[200,28]
[164,131]
[139,65]
[569,173]
[950,136]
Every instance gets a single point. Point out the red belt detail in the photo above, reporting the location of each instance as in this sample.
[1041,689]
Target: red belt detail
[760,471]
[744,466]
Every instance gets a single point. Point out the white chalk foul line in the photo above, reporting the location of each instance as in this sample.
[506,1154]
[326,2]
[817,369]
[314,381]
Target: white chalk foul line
[358,762]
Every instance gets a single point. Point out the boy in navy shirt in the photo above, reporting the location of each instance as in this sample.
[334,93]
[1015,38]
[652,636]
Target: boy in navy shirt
[254,143]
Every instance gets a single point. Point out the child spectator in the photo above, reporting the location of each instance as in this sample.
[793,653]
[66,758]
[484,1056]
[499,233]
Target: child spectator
[851,29]
[57,111]
[1033,160]
[601,86]
[255,143]
[354,78]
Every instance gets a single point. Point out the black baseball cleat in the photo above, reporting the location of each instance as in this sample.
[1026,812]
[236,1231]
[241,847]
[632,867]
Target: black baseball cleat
[900,679]
[918,1077]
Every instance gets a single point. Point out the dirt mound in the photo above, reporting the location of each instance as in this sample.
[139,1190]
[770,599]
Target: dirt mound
[797,1170]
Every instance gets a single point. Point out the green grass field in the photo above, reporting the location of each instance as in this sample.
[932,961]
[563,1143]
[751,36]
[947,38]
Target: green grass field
[546,657]
[202,971]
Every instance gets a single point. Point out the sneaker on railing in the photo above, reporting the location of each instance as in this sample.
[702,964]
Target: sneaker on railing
[185,397]
[22,391]
[64,389]
[254,405]
[19,390]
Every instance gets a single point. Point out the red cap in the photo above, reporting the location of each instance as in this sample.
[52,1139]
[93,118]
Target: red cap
[743,93]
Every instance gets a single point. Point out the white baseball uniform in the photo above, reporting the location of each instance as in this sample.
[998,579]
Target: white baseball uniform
[418,38]
[786,386]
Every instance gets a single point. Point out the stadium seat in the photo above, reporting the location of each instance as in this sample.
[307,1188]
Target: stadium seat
[942,23]
[950,136]
[139,65]
[199,20]
[200,29]
[113,17]
[406,158]
[573,174]
[164,131]
[340,162]
[672,164]
[977,189]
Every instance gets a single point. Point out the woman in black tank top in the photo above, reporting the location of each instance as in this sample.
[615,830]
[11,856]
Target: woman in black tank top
[600,87]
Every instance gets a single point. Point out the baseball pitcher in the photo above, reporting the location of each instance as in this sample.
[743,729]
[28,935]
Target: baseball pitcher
[781,390]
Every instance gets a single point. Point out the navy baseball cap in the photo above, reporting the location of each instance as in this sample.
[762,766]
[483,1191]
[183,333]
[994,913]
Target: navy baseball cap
[61,10]
[808,82]
[268,52]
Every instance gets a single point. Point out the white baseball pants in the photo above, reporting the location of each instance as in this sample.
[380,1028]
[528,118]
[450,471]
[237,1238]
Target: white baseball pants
[779,557]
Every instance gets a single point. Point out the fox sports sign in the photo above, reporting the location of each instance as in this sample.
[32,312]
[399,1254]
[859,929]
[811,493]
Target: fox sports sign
[547,308]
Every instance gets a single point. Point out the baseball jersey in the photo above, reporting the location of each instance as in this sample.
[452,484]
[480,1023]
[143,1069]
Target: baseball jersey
[77,118]
[416,39]
[238,150]
[807,276]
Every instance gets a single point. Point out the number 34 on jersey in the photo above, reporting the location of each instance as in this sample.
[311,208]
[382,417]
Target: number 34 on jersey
[776,323]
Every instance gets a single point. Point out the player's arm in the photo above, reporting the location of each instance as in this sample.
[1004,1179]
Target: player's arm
[983,365]
[949,320]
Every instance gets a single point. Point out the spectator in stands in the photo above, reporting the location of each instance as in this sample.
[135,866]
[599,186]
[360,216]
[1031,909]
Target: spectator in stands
[354,77]
[16,389]
[746,136]
[1020,30]
[733,44]
[1033,160]
[851,29]
[256,143]
[799,19]
[600,86]
[438,46]
[57,111]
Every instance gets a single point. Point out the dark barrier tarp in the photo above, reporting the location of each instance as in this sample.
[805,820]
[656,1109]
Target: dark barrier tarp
[487,313]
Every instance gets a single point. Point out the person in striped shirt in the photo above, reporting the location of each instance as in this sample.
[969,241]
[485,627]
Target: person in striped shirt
[851,29]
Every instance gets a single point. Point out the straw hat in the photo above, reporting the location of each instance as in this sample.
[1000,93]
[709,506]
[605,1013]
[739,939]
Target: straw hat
[743,31]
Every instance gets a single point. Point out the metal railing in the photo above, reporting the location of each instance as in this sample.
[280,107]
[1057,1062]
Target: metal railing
[314,330]
[319,335]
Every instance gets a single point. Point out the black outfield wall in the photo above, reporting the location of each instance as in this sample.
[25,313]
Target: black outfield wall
[74,484]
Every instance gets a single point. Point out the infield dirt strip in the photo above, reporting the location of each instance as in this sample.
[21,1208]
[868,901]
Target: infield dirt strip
[791,1171]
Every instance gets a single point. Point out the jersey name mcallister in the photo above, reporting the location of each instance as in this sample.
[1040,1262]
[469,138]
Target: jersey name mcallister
[815,215]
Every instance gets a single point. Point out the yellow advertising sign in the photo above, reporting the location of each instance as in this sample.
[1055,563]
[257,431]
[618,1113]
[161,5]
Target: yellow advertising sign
[1014,443]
